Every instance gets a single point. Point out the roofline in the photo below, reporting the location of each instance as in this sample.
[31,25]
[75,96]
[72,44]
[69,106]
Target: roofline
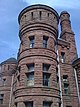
[38,6]
[8,62]
[75,62]
[64,12]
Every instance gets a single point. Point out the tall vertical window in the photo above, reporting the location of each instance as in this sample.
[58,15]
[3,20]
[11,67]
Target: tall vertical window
[66,85]
[62,57]
[30,67]
[8,67]
[46,104]
[15,104]
[31,41]
[46,79]
[19,69]
[46,67]
[59,104]
[40,13]
[46,75]
[45,39]
[4,81]
[31,15]
[1,98]
[30,75]
[29,104]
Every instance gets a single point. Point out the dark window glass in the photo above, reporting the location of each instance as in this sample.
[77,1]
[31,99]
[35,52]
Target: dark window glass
[45,39]
[59,104]
[29,104]
[16,104]
[46,67]
[46,104]
[31,41]
[4,81]
[31,15]
[65,78]
[62,57]
[1,98]
[8,67]
[30,67]
[66,88]
[30,75]
[46,79]
[19,69]
[40,13]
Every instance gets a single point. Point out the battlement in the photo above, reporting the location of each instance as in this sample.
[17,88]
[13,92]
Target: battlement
[36,9]
[38,16]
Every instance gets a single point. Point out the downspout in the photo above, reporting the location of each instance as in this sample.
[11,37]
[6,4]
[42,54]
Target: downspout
[11,91]
[59,78]
[77,85]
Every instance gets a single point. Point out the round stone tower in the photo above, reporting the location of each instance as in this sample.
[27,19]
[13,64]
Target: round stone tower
[65,21]
[65,25]
[37,79]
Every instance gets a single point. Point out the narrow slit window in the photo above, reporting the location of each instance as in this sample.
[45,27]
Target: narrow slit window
[48,14]
[1,98]
[4,81]
[62,57]
[66,86]
[45,39]
[31,15]
[31,41]
[40,13]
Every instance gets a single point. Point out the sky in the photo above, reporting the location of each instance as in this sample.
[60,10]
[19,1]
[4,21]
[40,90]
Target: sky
[9,27]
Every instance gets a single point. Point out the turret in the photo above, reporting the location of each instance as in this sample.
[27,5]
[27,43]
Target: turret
[37,82]
[65,21]
[67,34]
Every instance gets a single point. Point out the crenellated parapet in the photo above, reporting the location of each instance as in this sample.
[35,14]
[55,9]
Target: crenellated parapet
[37,17]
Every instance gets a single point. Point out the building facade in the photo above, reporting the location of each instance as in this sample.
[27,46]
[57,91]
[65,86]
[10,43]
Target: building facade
[43,74]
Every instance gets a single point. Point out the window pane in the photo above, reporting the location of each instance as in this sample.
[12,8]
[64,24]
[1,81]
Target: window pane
[30,79]
[31,42]
[45,39]
[46,79]
[4,81]
[46,104]
[62,57]
[1,98]
[66,88]
[65,78]
[30,67]
[29,104]
[30,76]
[46,67]
[1,101]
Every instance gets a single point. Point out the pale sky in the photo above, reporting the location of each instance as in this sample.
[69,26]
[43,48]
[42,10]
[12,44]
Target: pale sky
[9,28]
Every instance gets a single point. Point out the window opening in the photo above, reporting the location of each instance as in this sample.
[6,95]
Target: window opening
[45,39]
[62,57]
[31,41]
